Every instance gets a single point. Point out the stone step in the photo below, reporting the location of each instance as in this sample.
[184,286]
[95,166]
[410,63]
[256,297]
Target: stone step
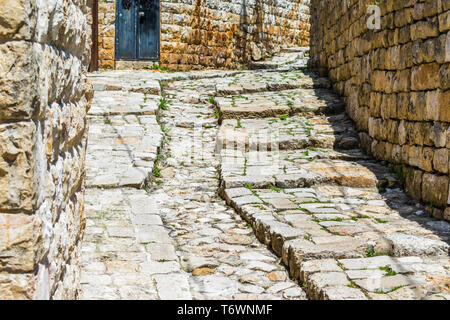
[244,82]
[122,151]
[103,82]
[376,278]
[263,170]
[288,133]
[292,59]
[113,103]
[330,236]
[299,235]
[126,248]
[295,49]
[263,81]
[276,104]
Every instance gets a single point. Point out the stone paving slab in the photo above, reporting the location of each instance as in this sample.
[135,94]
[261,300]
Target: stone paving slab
[122,150]
[116,263]
[288,133]
[377,278]
[115,103]
[146,81]
[310,195]
[214,245]
[305,169]
[107,83]
[288,59]
[277,103]
[257,82]
[312,224]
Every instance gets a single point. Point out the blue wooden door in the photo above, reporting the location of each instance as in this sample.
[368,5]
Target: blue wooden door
[137,30]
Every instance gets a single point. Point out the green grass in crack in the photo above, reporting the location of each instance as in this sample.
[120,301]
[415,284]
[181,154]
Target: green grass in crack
[272,187]
[163,103]
[379,291]
[389,272]
[156,172]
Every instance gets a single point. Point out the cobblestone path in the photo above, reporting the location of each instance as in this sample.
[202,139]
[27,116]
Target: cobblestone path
[300,197]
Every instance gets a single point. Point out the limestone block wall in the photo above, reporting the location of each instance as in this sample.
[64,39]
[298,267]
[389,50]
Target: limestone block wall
[216,33]
[396,84]
[106,33]
[44,97]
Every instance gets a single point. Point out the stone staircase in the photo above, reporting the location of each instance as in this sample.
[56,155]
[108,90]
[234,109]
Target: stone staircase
[292,166]
[277,146]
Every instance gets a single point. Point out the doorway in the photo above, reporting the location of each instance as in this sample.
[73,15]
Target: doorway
[137,30]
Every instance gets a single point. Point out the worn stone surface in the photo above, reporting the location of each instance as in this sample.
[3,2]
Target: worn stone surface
[395,83]
[179,240]
[299,195]
[297,183]
[44,98]
[122,150]
[311,194]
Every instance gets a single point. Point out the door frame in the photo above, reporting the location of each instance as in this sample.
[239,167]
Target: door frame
[117,38]
[93,66]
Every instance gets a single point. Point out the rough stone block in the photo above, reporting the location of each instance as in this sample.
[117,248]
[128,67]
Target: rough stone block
[20,237]
[425,77]
[16,286]
[18,81]
[441,160]
[17,19]
[17,166]
[435,189]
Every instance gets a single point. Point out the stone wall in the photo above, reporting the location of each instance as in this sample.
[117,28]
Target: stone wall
[216,33]
[44,97]
[106,33]
[396,84]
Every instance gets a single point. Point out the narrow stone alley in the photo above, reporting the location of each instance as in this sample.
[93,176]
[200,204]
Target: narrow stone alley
[246,185]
